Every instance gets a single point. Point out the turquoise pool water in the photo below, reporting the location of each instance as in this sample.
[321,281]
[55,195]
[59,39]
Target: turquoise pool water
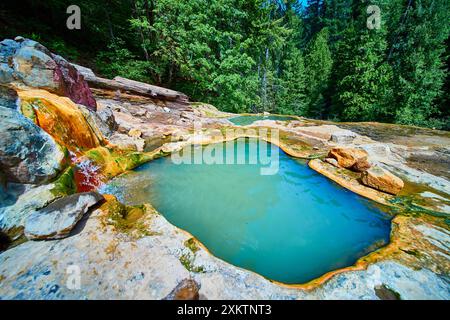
[292,227]
[246,120]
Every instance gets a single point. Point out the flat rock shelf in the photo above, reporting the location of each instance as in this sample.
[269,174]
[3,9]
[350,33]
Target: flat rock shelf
[248,120]
[292,226]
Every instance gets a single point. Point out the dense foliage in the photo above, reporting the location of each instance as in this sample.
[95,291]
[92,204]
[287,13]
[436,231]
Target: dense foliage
[314,58]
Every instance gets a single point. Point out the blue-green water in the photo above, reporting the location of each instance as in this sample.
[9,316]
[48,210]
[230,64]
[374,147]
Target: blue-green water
[247,120]
[292,227]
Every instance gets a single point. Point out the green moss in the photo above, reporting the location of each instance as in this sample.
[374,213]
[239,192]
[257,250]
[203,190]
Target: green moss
[114,162]
[116,210]
[95,156]
[317,156]
[192,245]
[28,111]
[128,219]
[65,184]
[187,261]
[135,159]
[408,205]
[223,130]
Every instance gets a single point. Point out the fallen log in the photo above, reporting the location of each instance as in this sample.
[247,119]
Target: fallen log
[131,86]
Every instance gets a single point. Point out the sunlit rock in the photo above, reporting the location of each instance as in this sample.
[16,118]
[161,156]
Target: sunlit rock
[57,219]
[347,157]
[33,65]
[381,179]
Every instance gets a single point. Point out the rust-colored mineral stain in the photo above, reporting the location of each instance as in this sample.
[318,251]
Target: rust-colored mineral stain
[62,119]
[86,183]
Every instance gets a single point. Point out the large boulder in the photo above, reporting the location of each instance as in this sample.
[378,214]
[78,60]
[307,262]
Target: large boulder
[26,63]
[57,219]
[347,157]
[381,179]
[8,98]
[19,202]
[27,153]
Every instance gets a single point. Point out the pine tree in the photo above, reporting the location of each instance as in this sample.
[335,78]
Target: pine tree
[363,78]
[293,98]
[417,57]
[314,14]
[318,69]
[337,16]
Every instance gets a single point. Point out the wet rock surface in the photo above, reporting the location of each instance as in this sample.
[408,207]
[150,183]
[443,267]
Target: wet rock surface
[384,293]
[69,124]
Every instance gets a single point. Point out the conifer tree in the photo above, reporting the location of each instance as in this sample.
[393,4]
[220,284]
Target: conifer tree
[293,98]
[318,69]
[418,60]
[364,78]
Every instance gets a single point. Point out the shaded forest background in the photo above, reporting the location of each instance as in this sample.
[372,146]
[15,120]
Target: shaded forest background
[316,59]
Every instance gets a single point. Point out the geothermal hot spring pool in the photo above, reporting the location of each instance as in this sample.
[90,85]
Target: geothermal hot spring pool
[292,227]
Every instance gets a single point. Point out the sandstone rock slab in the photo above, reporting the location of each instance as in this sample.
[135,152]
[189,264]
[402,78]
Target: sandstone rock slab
[135,133]
[361,165]
[57,219]
[343,136]
[381,179]
[125,142]
[347,157]
[20,201]
[332,161]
